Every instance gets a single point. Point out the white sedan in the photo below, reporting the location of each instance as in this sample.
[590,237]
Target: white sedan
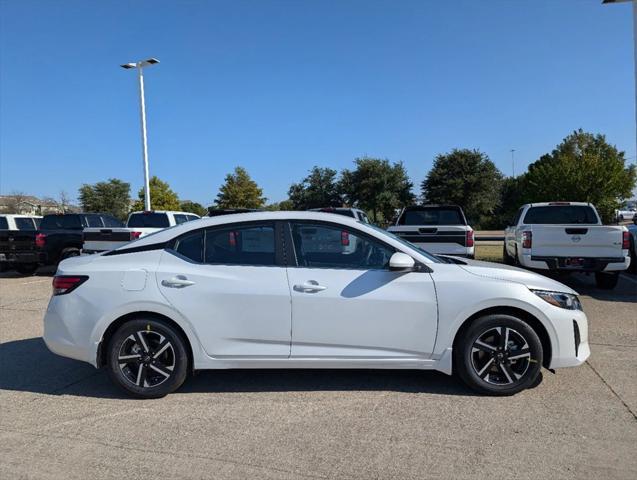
[286,290]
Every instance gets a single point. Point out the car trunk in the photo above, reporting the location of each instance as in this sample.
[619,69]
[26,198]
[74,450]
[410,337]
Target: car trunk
[576,240]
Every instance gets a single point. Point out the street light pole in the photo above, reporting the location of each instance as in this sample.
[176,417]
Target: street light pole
[142,112]
[513,161]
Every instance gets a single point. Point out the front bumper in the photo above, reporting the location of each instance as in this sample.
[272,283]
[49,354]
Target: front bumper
[572,347]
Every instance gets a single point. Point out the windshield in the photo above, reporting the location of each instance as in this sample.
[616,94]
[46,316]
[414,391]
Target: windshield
[148,220]
[409,245]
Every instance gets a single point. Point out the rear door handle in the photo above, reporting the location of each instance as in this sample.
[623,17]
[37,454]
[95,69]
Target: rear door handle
[180,281]
[309,286]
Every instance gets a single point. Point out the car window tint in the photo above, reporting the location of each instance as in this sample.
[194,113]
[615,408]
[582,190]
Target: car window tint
[191,246]
[148,220]
[241,245]
[61,222]
[431,216]
[326,246]
[4,225]
[180,218]
[94,221]
[560,214]
[24,223]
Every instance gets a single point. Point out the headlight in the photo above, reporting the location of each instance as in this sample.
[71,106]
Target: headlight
[559,299]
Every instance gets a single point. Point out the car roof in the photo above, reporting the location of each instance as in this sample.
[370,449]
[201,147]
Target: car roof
[558,204]
[17,215]
[174,212]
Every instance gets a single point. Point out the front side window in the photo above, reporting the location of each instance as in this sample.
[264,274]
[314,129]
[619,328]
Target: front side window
[241,245]
[332,246]
[23,223]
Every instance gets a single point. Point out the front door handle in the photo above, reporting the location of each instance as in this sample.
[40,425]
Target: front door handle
[180,281]
[309,286]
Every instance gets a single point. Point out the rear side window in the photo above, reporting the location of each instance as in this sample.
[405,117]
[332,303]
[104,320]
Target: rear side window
[191,246]
[241,245]
[432,216]
[4,225]
[148,220]
[562,214]
[111,221]
[61,222]
[180,218]
[24,223]
[94,221]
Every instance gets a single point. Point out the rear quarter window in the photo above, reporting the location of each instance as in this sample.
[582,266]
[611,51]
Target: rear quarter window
[562,214]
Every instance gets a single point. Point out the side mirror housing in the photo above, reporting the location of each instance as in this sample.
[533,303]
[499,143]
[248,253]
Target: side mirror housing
[401,262]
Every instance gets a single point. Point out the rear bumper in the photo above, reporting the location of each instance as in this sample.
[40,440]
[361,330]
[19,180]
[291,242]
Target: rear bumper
[591,264]
[19,257]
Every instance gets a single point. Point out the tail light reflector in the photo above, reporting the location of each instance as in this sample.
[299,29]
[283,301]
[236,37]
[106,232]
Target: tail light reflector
[344,238]
[63,284]
[470,241]
[625,240]
[527,239]
[232,239]
[40,240]
[135,235]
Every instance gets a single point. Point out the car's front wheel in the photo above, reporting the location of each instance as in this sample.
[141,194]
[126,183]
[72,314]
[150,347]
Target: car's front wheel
[498,355]
[147,358]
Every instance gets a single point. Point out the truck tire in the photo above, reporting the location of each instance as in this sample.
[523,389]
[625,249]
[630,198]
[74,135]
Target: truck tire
[68,253]
[505,256]
[606,281]
[26,268]
[632,268]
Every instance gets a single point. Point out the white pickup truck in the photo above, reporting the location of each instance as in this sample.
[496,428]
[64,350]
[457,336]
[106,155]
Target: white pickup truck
[567,237]
[138,225]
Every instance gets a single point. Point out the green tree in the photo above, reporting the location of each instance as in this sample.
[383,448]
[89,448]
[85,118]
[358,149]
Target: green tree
[282,205]
[377,186]
[161,196]
[318,189]
[240,191]
[466,178]
[112,196]
[583,168]
[193,207]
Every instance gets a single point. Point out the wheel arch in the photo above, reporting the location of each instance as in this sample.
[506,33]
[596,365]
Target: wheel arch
[118,322]
[537,326]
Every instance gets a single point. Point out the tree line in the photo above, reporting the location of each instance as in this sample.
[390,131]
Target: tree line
[583,167]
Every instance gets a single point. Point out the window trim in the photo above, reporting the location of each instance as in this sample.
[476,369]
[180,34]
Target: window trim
[292,249]
[279,255]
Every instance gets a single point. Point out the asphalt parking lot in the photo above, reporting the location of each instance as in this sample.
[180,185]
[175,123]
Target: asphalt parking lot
[62,419]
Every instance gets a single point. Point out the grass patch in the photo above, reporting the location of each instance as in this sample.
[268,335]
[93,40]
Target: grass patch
[489,253]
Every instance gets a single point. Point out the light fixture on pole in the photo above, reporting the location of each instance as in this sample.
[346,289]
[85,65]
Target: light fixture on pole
[142,108]
[513,160]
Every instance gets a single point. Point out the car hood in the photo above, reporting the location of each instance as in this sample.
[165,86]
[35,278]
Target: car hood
[514,274]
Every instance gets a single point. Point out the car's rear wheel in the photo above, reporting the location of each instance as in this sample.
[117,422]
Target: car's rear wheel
[147,358]
[606,281]
[498,355]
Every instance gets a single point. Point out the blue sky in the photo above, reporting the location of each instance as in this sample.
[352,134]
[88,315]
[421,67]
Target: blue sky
[280,86]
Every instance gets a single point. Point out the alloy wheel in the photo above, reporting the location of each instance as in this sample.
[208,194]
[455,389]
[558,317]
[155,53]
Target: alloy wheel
[146,358]
[501,356]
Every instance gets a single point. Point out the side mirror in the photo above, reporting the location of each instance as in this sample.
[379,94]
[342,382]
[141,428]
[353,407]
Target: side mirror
[401,262]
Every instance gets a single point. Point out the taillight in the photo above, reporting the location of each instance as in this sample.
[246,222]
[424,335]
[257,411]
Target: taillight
[527,239]
[345,239]
[469,239]
[135,235]
[40,240]
[625,240]
[63,284]
[232,239]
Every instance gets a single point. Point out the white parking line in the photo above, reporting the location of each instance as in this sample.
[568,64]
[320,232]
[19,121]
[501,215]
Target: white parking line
[626,277]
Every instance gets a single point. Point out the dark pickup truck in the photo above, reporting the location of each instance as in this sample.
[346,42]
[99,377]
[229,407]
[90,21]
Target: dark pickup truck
[61,235]
[17,246]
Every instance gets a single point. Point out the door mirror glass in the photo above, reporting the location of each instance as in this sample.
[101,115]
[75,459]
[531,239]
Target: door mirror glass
[401,262]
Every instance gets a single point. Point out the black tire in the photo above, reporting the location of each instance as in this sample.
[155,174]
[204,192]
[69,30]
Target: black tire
[606,281]
[68,253]
[632,268]
[26,268]
[494,371]
[505,255]
[161,366]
